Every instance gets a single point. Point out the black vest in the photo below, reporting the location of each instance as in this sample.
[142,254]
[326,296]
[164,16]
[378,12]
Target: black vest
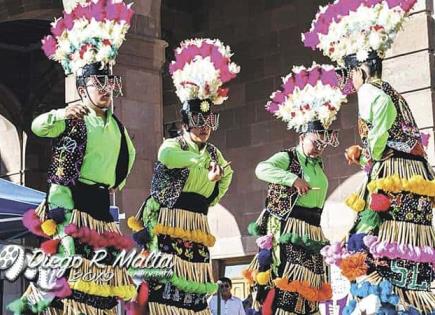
[281,199]
[69,151]
[167,184]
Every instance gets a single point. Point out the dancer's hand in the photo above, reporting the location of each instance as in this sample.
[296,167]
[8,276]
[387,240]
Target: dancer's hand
[215,172]
[353,154]
[76,111]
[301,186]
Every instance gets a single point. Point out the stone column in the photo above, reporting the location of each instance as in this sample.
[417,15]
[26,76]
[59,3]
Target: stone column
[141,108]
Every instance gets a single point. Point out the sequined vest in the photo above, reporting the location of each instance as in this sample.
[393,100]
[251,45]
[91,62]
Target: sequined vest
[404,133]
[281,199]
[69,150]
[167,184]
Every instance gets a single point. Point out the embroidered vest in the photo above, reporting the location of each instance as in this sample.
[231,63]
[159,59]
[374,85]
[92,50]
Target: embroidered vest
[167,184]
[281,199]
[404,133]
[69,151]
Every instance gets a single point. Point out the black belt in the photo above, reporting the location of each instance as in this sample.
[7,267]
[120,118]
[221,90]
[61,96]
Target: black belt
[195,202]
[92,199]
[407,156]
[192,202]
[308,215]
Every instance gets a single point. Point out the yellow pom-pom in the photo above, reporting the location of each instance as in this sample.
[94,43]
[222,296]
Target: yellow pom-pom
[134,224]
[372,186]
[359,205]
[49,227]
[355,202]
[263,277]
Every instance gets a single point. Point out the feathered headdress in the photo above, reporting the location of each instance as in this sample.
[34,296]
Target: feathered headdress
[348,27]
[306,96]
[90,31]
[201,68]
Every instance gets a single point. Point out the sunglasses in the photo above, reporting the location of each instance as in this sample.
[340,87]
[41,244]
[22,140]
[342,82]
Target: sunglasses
[225,285]
[198,120]
[107,84]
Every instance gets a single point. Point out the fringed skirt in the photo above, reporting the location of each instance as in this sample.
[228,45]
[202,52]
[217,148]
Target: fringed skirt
[394,239]
[288,271]
[183,231]
[86,288]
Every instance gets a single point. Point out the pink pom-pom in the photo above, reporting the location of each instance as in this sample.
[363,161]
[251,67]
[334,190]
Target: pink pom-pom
[32,222]
[62,289]
[49,45]
[71,229]
[265,242]
[58,28]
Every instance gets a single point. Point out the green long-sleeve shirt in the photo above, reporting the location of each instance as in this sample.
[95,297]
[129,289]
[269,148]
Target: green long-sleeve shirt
[197,161]
[101,155]
[376,108]
[275,170]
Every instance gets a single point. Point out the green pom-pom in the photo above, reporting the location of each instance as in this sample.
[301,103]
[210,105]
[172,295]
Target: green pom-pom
[253,229]
[211,288]
[304,241]
[17,307]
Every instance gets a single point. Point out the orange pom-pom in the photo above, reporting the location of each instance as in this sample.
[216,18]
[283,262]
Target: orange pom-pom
[354,266]
[305,290]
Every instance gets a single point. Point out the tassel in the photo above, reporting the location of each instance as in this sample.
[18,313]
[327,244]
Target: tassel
[134,224]
[50,247]
[380,202]
[17,307]
[49,227]
[57,214]
[32,222]
[268,302]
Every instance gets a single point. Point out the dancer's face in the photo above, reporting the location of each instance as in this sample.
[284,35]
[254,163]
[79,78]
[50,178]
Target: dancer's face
[312,144]
[94,96]
[101,98]
[359,76]
[200,135]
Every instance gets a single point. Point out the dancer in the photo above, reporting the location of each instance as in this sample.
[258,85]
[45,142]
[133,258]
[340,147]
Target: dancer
[389,254]
[190,176]
[288,271]
[92,154]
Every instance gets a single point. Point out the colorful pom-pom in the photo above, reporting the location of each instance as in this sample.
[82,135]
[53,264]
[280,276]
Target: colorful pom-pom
[134,224]
[380,202]
[49,227]
[57,214]
[50,247]
[355,202]
[263,277]
[254,229]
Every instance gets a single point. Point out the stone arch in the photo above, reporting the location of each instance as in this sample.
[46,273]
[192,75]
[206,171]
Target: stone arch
[12,137]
